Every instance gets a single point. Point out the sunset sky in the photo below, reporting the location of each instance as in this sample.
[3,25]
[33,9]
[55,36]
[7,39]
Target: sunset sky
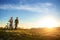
[29,12]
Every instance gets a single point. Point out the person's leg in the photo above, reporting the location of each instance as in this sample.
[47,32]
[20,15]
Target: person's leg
[11,26]
[15,26]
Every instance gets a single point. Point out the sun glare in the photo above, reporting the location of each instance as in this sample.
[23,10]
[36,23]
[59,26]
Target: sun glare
[48,22]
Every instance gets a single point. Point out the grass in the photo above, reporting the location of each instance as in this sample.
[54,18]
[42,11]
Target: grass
[28,34]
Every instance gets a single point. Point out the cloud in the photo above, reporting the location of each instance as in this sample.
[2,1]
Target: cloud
[45,8]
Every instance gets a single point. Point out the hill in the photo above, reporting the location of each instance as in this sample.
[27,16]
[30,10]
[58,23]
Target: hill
[30,34]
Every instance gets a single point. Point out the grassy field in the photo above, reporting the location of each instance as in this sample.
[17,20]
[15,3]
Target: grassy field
[30,34]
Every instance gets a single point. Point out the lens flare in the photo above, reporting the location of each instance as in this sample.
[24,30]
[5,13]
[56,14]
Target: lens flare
[48,22]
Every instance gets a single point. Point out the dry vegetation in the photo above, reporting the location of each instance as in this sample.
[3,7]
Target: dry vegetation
[30,34]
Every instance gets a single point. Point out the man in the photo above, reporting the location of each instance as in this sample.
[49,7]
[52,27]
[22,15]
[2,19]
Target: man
[16,22]
[11,23]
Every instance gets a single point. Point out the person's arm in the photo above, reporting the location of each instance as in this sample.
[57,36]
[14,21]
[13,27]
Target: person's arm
[9,21]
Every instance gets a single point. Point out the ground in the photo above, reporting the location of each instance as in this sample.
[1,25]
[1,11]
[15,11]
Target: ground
[30,34]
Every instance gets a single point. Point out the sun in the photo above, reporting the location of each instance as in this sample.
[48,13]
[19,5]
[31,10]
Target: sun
[48,22]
